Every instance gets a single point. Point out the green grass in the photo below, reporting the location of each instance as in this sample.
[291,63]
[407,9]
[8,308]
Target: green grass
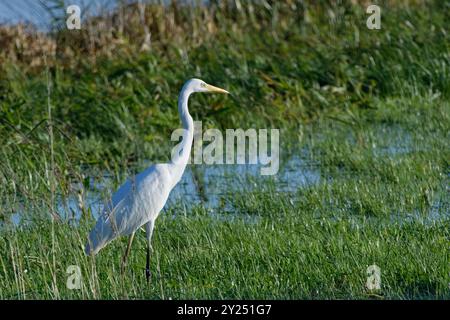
[369,108]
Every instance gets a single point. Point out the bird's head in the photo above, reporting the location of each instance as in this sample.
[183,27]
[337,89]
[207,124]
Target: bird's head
[197,85]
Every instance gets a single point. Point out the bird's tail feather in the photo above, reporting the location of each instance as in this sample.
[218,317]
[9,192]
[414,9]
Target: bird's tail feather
[99,237]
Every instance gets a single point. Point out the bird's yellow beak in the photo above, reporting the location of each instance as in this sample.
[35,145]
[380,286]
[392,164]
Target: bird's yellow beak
[211,88]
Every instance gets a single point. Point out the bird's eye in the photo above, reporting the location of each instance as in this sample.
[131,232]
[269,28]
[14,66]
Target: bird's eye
[203,84]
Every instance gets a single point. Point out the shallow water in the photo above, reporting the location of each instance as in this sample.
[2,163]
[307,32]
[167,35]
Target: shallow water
[211,186]
[389,140]
[206,185]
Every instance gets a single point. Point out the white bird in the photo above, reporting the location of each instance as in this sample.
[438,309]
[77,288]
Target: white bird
[140,199]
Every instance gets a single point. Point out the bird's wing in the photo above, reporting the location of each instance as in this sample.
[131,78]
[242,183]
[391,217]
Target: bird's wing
[137,201]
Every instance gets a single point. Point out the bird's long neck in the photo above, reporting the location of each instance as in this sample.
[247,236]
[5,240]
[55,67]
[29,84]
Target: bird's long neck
[181,158]
[186,119]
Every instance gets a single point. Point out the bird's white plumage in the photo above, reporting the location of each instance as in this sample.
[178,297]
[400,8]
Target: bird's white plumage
[137,201]
[140,199]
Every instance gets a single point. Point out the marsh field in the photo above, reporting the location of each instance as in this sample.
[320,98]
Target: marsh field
[364,119]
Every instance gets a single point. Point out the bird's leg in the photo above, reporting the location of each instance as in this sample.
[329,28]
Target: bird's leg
[127,252]
[148,274]
[149,230]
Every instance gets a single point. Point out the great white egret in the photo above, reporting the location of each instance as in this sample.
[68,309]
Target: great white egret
[140,199]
